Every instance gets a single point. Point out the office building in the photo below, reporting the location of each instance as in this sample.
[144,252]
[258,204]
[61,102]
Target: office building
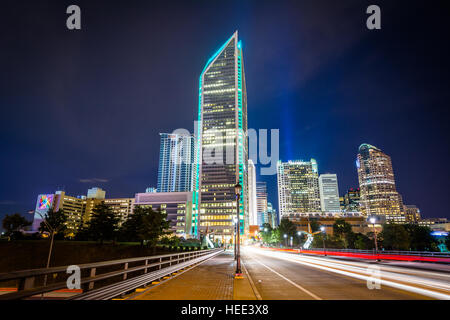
[176,161]
[121,207]
[73,207]
[298,188]
[412,213]
[377,185]
[350,201]
[272,216]
[261,203]
[221,148]
[252,208]
[329,193]
[96,193]
[177,205]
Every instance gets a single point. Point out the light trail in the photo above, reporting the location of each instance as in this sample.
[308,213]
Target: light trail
[412,280]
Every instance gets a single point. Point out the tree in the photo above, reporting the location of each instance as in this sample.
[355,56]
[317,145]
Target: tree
[395,237]
[266,233]
[421,238]
[447,242]
[57,221]
[287,227]
[276,236]
[343,231]
[103,224]
[363,242]
[146,225]
[13,224]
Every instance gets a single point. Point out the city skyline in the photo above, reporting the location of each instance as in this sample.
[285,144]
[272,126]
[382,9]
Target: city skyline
[36,171]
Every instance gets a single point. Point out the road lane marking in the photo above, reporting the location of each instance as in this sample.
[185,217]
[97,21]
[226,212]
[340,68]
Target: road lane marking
[288,280]
[353,274]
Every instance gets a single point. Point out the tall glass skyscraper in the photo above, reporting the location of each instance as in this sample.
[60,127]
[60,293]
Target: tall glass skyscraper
[378,193]
[298,188]
[222,147]
[176,162]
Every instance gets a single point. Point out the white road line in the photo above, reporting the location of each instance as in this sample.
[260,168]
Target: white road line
[288,280]
[410,288]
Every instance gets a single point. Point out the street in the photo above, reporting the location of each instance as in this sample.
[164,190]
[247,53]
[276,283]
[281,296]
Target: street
[284,276]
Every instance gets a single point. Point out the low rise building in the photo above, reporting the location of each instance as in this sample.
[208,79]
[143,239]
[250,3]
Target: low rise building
[177,205]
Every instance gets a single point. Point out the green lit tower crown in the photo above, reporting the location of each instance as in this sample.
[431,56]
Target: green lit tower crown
[222,147]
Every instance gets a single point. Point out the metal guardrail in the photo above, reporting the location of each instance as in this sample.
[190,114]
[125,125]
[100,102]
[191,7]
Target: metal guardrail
[164,265]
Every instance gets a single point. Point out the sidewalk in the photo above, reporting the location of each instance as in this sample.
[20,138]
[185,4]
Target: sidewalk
[211,280]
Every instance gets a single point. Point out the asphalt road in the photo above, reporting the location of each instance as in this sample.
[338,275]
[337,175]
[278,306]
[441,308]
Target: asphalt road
[285,276]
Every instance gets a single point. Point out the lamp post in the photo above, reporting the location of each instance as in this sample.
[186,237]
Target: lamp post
[299,234]
[285,239]
[322,228]
[372,221]
[237,189]
[234,236]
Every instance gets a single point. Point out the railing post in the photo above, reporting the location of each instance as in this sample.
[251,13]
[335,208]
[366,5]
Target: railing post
[125,268]
[146,263]
[26,283]
[160,263]
[92,274]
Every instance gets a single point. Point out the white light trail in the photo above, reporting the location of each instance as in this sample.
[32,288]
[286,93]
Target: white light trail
[398,278]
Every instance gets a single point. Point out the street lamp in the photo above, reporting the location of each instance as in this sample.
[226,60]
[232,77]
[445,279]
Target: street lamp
[237,190]
[372,221]
[234,236]
[285,237]
[322,228]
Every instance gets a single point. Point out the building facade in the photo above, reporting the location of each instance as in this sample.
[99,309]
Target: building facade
[298,188]
[272,215]
[261,203]
[176,161]
[252,208]
[73,207]
[379,195]
[351,200]
[122,207]
[329,193]
[221,144]
[177,205]
[412,213]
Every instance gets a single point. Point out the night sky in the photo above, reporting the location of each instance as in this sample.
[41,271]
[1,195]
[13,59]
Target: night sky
[85,108]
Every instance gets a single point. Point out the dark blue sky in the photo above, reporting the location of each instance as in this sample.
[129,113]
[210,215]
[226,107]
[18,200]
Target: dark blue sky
[84,108]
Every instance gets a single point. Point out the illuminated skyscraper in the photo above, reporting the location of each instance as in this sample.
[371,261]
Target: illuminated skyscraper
[329,193]
[298,188]
[252,209]
[261,203]
[176,161]
[221,143]
[377,184]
